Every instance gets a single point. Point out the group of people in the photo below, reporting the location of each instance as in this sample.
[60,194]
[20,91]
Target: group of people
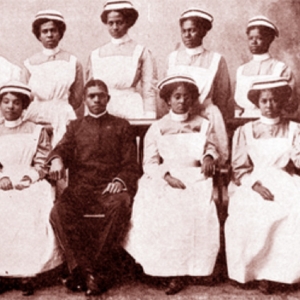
[59,134]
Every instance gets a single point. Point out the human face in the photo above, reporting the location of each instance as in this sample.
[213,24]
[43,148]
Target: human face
[258,44]
[96,99]
[180,100]
[49,35]
[11,107]
[191,34]
[116,24]
[269,104]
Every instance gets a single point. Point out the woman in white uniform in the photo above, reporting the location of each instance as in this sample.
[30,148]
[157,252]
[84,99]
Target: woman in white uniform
[54,75]
[175,228]
[28,245]
[263,227]
[261,32]
[124,64]
[208,69]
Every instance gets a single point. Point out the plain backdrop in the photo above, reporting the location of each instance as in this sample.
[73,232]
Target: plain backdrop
[157,28]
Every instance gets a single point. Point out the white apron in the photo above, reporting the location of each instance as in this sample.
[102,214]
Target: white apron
[204,79]
[119,72]
[175,232]
[28,246]
[50,84]
[243,85]
[263,237]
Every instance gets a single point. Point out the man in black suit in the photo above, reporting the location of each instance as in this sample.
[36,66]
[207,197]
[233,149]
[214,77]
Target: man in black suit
[92,216]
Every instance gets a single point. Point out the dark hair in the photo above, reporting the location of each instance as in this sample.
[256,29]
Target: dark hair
[130,15]
[199,22]
[264,31]
[282,93]
[61,27]
[95,82]
[24,98]
[167,90]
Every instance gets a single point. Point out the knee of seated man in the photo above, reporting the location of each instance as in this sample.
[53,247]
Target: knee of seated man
[120,202]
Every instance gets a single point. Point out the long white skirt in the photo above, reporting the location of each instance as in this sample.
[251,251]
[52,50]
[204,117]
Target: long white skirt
[175,232]
[28,246]
[263,237]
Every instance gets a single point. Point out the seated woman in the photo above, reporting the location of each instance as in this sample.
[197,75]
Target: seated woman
[27,241]
[124,65]
[175,228]
[261,33]
[263,227]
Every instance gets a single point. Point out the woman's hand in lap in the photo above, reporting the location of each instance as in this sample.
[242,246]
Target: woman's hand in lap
[6,184]
[24,183]
[263,191]
[174,182]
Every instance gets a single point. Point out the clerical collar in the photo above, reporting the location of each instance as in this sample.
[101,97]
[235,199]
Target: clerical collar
[97,116]
[124,39]
[194,51]
[178,117]
[261,57]
[269,121]
[12,124]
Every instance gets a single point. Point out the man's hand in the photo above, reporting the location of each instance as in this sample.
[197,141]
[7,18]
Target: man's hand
[57,170]
[174,182]
[24,183]
[113,188]
[263,191]
[6,184]
[208,166]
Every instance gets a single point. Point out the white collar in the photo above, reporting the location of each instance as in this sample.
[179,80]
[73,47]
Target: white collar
[97,116]
[261,57]
[13,124]
[269,121]
[194,51]
[178,117]
[124,39]
[51,52]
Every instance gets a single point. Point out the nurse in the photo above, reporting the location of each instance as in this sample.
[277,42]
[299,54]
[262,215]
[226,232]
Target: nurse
[261,32]
[54,76]
[208,69]
[124,64]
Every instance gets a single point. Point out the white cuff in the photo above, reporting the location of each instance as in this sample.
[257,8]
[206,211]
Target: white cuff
[120,180]
[33,174]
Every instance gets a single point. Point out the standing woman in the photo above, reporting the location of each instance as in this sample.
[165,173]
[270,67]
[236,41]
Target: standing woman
[27,241]
[54,75]
[263,227]
[208,69]
[123,65]
[261,32]
[175,228]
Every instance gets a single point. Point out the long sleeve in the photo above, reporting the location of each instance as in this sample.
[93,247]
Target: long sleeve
[210,145]
[25,75]
[152,162]
[76,89]
[89,72]
[148,83]
[129,171]
[222,96]
[42,152]
[65,148]
[241,163]
[295,153]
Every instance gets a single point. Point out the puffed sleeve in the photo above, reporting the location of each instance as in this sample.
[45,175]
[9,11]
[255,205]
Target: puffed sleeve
[89,71]
[152,161]
[222,96]
[25,74]
[241,164]
[76,89]
[295,154]
[293,101]
[148,83]
[39,169]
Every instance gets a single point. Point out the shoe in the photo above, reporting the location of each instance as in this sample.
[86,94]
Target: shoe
[27,286]
[75,281]
[94,287]
[176,285]
[265,287]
